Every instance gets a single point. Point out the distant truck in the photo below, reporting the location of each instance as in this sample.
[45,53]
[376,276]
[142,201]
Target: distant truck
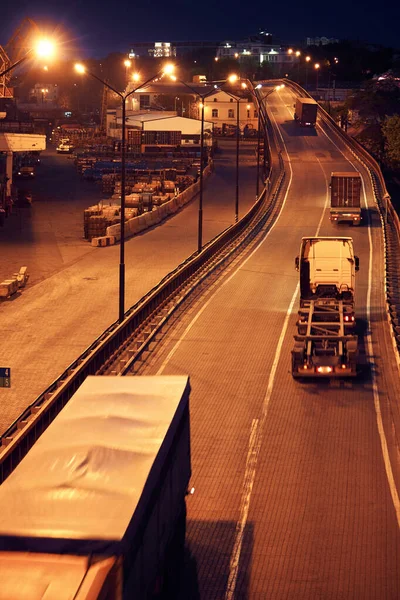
[306,112]
[345,197]
[325,344]
[65,146]
[96,509]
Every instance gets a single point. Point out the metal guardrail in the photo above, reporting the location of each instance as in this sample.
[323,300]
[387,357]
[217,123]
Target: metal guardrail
[389,219]
[25,430]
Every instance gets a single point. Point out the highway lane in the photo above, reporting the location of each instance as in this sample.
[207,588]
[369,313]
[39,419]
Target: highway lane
[293,490]
[52,322]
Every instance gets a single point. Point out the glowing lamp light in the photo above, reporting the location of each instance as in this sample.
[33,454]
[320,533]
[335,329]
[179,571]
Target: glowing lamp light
[79,68]
[136,77]
[127,63]
[169,69]
[233,78]
[44,48]
[290,51]
[308,58]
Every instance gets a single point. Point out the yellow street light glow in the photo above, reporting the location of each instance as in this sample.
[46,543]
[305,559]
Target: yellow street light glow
[216,59]
[298,53]
[244,85]
[308,58]
[169,69]
[45,68]
[201,105]
[290,51]
[232,78]
[236,55]
[248,107]
[173,77]
[316,66]
[80,68]
[127,63]
[44,48]
[135,76]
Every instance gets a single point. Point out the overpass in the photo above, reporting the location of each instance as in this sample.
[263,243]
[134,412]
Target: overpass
[296,484]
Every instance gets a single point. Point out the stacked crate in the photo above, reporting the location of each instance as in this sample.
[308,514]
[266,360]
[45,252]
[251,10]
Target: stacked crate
[92,211]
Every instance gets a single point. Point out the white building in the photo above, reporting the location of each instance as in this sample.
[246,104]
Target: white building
[258,50]
[156,121]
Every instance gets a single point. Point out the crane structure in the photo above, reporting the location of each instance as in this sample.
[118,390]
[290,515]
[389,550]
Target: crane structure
[17,45]
[15,49]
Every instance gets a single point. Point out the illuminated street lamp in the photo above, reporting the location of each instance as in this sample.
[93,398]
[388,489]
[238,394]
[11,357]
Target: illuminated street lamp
[317,67]
[82,70]
[298,54]
[43,49]
[202,98]
[308,58]
[44,91]
[127,64]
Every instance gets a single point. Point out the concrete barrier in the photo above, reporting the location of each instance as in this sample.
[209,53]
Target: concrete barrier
[104,240]
[149,219]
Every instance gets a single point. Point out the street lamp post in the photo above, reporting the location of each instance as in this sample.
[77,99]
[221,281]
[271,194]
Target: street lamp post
[81,69]
[308,58]
[298,54]
[202,98]
[316,66]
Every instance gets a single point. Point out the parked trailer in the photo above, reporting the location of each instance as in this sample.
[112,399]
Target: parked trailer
[306,112]
[345,197]
[96,509]
[325,344]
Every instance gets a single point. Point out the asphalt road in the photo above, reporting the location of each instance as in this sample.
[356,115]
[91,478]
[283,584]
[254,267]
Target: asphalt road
[295,483]
[48,235]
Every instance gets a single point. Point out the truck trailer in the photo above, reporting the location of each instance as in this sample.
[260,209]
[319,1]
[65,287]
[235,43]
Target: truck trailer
[306,112]
[326,344]
[345,197]
[96,509]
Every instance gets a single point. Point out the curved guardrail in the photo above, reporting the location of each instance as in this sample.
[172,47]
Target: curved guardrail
[25,430]
[389,219]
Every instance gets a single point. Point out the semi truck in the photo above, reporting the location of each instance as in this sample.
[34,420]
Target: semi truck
[345,197]
[96,509]
[306,112]
[326,342]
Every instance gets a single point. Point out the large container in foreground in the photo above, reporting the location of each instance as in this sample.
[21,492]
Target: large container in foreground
[100,498]
[345,197]
[325,344]
[306,112]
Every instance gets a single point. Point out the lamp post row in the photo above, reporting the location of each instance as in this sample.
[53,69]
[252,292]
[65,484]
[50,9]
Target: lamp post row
[81,69]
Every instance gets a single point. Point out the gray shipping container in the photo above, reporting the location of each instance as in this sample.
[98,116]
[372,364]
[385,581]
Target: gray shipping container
[107,481]
[345,190]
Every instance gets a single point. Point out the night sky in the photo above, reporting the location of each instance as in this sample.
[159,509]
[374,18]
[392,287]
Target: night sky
[93,28]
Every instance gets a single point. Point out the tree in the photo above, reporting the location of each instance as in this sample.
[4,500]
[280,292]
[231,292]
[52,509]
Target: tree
[391,134]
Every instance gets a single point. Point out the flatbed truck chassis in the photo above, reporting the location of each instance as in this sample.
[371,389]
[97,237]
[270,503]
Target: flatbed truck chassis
[325,345]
